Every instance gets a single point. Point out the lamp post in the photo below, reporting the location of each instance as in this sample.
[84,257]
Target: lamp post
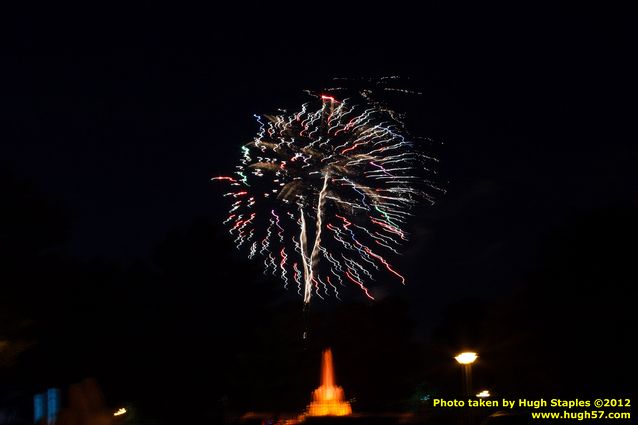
[466,359]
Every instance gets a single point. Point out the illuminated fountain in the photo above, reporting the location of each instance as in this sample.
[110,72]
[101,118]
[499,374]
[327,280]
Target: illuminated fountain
[328,399]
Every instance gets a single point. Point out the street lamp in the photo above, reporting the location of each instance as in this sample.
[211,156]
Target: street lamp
[466,359]
[484,394]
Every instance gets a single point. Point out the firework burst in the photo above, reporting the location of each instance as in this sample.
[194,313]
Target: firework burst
[323,194]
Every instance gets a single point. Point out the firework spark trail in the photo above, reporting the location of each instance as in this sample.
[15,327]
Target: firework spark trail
[280,233]
[240,239]
[334,288]
[307,273]
[320,206]
[282,266]
[347,166]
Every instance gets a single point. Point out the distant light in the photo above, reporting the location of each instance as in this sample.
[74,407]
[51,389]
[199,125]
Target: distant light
[466,358]
[484,394]
[326,97]
[120,412]
[53,404]
[38,407]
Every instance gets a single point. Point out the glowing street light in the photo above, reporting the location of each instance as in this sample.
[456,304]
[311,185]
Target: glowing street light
[120,412]
[484,394]
[466,359]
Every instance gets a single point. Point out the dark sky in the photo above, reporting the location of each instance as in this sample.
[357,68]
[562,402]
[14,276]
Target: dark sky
[123,116]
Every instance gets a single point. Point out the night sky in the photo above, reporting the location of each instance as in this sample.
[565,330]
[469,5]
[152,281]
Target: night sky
[118,120]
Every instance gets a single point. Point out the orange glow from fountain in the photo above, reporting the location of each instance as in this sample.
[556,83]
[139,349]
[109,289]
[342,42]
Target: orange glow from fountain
[328,399]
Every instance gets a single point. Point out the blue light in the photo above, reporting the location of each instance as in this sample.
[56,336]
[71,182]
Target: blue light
[38,407]
[53,404]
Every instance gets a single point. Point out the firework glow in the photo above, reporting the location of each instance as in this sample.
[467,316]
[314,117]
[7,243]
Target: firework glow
[323,195]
